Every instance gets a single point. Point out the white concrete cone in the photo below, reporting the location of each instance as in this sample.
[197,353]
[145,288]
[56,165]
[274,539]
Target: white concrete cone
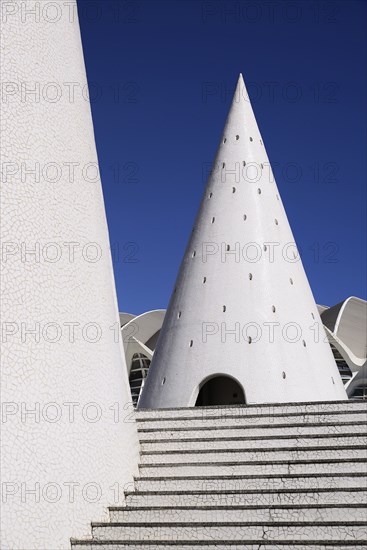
[242,306]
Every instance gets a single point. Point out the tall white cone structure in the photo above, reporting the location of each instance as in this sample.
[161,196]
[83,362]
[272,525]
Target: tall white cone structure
[242,306]
[68,441]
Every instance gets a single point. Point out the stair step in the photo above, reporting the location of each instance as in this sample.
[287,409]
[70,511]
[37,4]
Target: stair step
[269,477]
[259,442]
[292,453]
[232,530]
[248,420]
[224,545]
[222,497]
[258,430]
[259,482]
[221,514]
[256,409]
[299,467]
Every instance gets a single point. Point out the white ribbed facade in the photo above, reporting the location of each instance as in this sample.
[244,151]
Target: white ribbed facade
[63,463]
[242,305]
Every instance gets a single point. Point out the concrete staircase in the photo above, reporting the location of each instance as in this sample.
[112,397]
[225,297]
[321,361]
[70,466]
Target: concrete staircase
[287,476]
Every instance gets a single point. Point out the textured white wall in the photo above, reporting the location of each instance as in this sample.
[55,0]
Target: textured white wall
[241,205]
[74,457]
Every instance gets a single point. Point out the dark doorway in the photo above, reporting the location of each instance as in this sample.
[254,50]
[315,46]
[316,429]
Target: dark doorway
[220,390]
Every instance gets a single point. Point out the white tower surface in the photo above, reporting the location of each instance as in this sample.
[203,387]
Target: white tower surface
[69,444]
[242,306]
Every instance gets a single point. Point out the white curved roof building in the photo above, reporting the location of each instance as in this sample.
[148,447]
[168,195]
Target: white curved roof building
[346,329]
[139,335]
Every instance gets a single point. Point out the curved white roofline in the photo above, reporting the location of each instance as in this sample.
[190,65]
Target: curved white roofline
[354,363]
[138,331]
[348,322]
[125,318]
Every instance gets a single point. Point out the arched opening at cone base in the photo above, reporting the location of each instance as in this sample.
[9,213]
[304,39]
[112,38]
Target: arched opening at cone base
[219,389]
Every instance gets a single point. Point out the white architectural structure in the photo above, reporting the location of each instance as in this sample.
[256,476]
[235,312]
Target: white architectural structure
[140,335]
[242,324]
[69,444]
[346,328]
[69,440]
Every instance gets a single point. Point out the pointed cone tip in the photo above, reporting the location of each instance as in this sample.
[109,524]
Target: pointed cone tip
[240,81]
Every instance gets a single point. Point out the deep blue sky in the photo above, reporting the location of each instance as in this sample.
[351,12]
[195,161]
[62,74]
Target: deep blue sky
[162,129]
